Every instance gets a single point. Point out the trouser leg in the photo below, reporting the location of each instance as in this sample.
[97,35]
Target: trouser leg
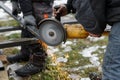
[111,62]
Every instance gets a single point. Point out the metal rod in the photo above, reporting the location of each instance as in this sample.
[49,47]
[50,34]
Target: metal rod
[18,42]
[10,28]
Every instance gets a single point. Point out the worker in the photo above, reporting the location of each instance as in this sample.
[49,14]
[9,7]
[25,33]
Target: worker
[35,54]
[94,15]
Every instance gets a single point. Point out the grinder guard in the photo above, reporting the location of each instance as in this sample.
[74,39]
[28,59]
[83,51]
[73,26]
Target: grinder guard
[52,31]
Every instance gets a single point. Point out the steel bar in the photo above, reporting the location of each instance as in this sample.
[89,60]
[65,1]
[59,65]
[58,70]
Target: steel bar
[18,42]
[10,28]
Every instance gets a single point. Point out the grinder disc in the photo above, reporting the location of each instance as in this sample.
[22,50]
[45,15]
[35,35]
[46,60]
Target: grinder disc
[51,32]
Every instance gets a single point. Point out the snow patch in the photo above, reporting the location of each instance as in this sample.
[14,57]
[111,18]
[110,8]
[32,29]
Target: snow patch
[87,52]
[94,39]
[85,79]
[63,45]
[51,50]
[61,59]
[74,77]
[67,49]
[95,61]
[3,15]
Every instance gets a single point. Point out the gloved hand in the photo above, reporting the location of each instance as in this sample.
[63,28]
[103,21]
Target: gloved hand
[30,20]
[15,8]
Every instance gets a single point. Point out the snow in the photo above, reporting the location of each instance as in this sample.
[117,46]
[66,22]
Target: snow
[63,45]
[67,49]
[95,61]
[94,39]
[3,15]
[51,50]
[61,59]
[85,79]
[87,51]
[74,77]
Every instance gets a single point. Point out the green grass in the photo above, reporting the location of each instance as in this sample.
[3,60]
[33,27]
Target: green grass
[9,23]
[14,36]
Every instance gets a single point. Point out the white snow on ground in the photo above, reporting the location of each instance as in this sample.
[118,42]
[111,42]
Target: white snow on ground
[95,61]
[51,50]
[67,49]
[94,39]
[92,57]
[61,59]
[87,51]
[74,77]
[3,15]
[63,45]
[85,78]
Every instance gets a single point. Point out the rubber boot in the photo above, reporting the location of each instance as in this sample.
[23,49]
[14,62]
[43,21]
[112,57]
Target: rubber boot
[24,55]
[25,52]
[35,65]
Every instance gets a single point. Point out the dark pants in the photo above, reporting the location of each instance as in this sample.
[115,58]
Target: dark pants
[39,10]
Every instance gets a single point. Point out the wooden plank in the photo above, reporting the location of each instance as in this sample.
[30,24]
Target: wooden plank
[3,72]
[3,75]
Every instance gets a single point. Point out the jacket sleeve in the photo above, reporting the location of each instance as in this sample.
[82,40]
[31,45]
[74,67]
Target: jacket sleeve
[26,6]
[70,7]
[92,15]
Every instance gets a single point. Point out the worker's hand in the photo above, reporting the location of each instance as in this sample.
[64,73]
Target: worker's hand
[15,8]
[62,10]
[29,20]
[94,35]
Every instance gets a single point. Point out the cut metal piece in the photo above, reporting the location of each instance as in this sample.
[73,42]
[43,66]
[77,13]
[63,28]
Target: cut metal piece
[52,32]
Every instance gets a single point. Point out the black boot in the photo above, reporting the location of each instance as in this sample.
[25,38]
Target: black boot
[25,52]
[17,58]
[24,55]
[35,65]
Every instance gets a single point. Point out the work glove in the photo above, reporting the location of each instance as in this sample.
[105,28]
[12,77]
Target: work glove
[15,8]
[29,20]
